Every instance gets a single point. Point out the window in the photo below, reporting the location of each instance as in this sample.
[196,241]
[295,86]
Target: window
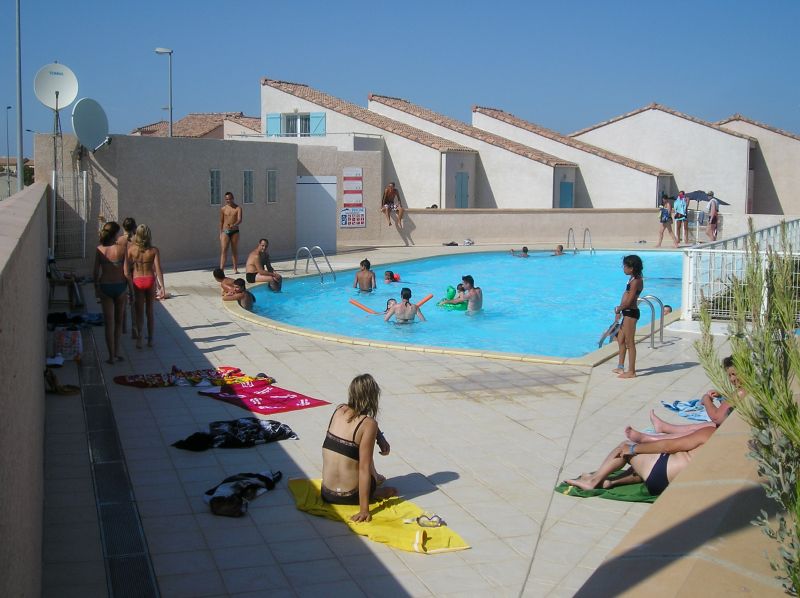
[214,187]
[247,186]
[294,124]
[272,186]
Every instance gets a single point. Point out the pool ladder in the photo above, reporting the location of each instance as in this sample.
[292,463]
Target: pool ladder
[571,235]
[648,299]
[309,253]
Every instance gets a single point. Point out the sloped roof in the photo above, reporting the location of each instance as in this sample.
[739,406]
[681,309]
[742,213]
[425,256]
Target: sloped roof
[474,132]
[156,129]
[515,121]
[12,161]
[743,118]
[250,122]
[195,124]
[655,106]
[366,116]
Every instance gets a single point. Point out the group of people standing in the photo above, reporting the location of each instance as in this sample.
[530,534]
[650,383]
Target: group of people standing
[127,267]
[677,210]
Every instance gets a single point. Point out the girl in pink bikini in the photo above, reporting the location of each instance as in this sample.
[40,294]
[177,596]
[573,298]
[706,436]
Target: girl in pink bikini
[144,268]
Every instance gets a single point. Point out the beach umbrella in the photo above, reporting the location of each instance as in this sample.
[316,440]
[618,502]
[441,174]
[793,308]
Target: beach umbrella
[699,196]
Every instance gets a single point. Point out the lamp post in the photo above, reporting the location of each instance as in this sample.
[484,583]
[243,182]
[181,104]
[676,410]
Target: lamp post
[168,52]
[8,162]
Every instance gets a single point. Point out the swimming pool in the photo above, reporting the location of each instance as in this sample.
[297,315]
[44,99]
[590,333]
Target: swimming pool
[543,305]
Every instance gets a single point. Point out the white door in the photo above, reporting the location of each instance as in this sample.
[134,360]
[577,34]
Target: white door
[316,220]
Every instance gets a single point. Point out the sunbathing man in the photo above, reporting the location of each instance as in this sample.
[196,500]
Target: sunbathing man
[365,278]
[241,295]
[404,311]
[259,268]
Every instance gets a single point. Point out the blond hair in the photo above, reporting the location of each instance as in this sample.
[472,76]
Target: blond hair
[143,236]
[363,395]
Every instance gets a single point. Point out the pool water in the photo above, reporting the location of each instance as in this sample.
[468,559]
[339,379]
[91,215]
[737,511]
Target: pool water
[543,305]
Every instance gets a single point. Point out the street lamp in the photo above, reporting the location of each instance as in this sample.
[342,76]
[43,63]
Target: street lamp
[168,52]
[8,151]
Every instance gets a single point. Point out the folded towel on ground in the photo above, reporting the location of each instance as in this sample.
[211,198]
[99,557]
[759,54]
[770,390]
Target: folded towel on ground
[260,396]
[628,493]
[238,433]
[388,520]
[218,376]
[692,409]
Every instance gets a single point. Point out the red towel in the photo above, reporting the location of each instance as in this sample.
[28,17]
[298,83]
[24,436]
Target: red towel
[261,397]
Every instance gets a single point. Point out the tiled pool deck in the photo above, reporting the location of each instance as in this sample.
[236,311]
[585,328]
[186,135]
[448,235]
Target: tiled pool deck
[480,441]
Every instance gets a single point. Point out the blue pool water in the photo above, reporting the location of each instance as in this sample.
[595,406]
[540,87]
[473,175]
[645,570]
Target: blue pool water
[555,306]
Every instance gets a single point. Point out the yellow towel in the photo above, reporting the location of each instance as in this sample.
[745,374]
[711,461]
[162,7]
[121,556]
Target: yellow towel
[387,523]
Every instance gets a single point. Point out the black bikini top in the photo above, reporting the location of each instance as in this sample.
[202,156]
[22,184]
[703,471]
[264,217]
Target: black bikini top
[628,288]
[337,444]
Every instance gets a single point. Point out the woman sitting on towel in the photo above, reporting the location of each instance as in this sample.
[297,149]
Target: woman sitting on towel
[348,468]
[655,463]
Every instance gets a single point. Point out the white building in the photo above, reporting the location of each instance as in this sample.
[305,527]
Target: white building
[509,175]
[426,169]
[701,155]
[776,165]
[603,179]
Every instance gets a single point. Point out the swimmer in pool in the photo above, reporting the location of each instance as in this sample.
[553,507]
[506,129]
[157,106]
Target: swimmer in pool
[473,296]
[390,303]
[559,250]
[241,295]
[389,277]
[365,278]
[405,311]
[523,253]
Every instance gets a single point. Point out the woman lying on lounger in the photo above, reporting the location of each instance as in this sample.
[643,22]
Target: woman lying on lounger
[656,463]
[348,468]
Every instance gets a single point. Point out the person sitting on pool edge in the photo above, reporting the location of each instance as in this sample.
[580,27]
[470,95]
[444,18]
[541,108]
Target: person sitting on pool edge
[365,278]
[404,311]
[241,295]
[258,267]
[523,253]
[473,296]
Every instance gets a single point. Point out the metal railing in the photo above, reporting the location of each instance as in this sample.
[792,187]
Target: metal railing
[309,253]
[648,299]
[709,271]
[571,235]
[586,231]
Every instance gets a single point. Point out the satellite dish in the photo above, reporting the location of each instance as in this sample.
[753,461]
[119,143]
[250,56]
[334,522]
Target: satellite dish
[90,124]
[56,86]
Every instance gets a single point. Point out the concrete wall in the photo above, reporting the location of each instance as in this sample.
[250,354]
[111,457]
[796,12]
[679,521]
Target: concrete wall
[164,183]
[601,183]
[699,157]
[535,228]
[776,162]
[23,296]
[416,168]
[503,179]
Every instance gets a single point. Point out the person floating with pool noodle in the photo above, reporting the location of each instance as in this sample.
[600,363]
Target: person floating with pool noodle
[405,311]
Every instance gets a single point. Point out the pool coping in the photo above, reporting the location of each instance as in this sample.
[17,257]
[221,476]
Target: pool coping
[588,360]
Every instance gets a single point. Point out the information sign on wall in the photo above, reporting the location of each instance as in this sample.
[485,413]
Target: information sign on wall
[353,218]
[353,214]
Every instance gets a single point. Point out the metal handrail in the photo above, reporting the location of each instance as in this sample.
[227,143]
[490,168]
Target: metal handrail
[571,233]
[641,300]
[310,257]
[591,247]
[661,305]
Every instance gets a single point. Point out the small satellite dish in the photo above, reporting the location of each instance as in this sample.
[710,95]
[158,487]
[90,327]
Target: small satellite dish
[90,124]
[56,86]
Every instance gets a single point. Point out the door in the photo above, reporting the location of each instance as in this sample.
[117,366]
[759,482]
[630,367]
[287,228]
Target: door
[315,221]
[565,199]
[462,189]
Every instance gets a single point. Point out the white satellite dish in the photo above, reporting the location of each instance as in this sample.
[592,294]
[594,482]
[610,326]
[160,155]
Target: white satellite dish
[56,86]
[90,124]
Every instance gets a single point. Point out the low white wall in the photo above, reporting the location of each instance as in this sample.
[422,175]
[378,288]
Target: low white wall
[23,332]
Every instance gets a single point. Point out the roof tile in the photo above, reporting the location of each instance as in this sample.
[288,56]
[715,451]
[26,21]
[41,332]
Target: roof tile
[506,117]
[474,132]
[743,118]
[366,116]
[195,124]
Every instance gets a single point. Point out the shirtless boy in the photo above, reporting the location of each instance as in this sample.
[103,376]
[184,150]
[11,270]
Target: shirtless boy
[473,296]
[259,269]
[404,311]
[365,278]
[241,295]
[225,283]
[390,202]
[230,217]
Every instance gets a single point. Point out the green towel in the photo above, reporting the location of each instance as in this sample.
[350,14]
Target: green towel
[629,492]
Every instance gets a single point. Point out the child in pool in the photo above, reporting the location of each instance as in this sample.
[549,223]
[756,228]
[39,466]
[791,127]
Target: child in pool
[389,277]
[629,310]
[390,303]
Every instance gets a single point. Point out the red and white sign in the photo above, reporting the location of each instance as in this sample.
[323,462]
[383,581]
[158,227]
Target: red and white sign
[352,187]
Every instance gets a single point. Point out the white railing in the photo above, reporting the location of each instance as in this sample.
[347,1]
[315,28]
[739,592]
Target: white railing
[709,270]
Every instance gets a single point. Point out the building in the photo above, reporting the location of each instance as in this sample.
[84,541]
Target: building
[205,125]
[700,154]
[603,179]
[509,174]
[426,168]
[775,165]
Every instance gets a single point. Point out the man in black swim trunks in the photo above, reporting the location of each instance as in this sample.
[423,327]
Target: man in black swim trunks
[230,217]
[259,268]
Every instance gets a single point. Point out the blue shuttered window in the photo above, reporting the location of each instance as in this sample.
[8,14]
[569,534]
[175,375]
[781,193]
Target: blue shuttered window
[273,125]
[317,124]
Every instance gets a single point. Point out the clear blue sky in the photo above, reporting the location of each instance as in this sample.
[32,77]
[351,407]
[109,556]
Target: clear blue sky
[564,65]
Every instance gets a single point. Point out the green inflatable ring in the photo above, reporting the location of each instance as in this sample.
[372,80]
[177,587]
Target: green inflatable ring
[449,294]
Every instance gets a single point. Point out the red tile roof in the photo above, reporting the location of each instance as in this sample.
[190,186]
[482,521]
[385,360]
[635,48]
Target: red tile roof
[195,124]
[250,122]
[655,106]
[515,121]
[469,130]
[366,116]
[743,118]
[157,129]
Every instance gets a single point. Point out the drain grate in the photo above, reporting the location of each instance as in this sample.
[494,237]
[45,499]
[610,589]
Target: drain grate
[99,417]
[104,446]
[129,577]
[111,483]
[121,533]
